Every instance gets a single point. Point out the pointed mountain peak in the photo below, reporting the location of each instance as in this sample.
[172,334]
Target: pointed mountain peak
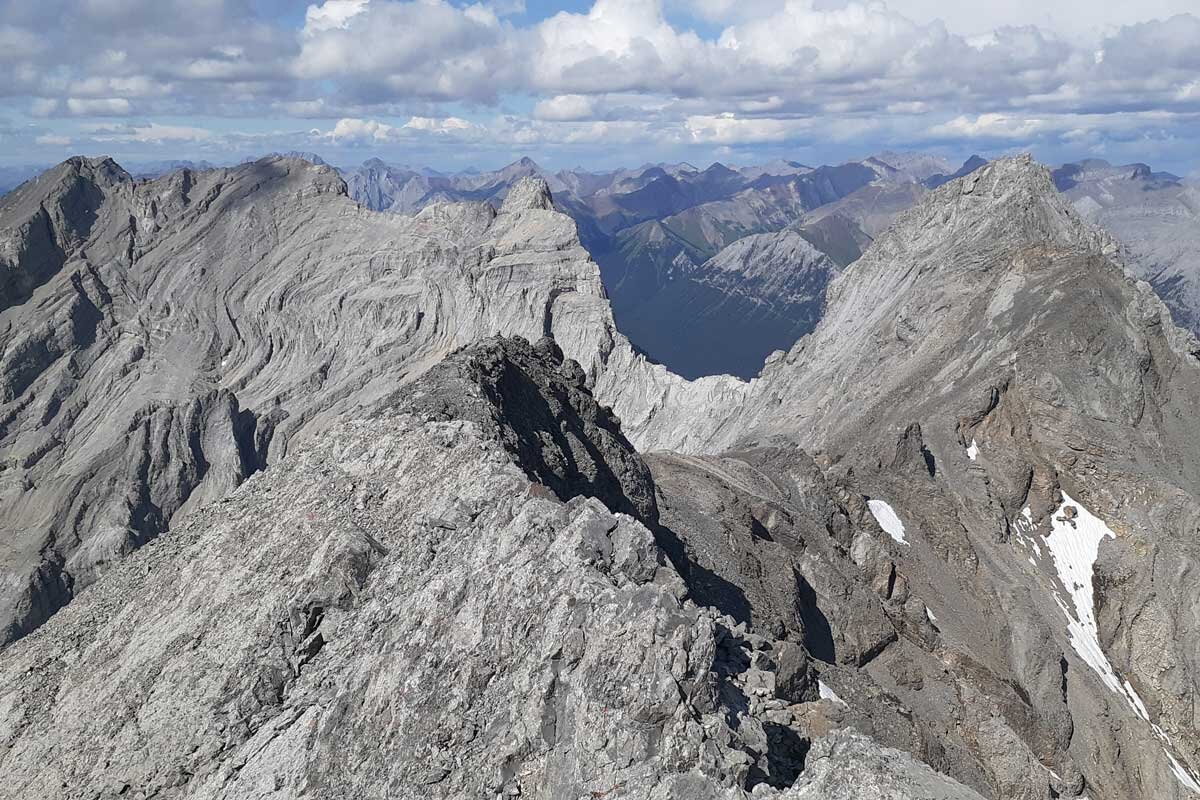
[970,165]
[528,193]
[1000,207]
[524,164]
[1014,168]
[76,177]
[102,169]
[48,218]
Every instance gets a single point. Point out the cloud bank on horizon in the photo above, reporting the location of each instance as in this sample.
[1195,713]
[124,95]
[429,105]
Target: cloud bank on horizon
[618,81]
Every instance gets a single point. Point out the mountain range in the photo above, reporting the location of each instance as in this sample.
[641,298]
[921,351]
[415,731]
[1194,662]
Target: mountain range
[1154,214]
[653,231]
[653,228]
[304,499]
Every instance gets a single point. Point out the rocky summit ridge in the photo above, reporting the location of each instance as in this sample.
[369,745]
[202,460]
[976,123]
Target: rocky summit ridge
[400,608]
[293,507]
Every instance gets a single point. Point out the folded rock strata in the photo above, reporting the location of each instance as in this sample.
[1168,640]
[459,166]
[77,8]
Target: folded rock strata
[162,340]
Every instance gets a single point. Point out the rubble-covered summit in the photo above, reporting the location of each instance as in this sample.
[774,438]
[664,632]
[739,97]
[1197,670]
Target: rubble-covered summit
[399,609]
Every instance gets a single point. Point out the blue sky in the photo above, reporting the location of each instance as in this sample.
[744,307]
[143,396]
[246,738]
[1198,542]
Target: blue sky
[601,83]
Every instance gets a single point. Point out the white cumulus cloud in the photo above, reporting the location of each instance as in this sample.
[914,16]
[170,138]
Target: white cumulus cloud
[98,106]
[331,14]
[565,108]
[707,73]
[729,129]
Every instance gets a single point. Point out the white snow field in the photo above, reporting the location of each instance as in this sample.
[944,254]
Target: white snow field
[1074,545]
[885,515]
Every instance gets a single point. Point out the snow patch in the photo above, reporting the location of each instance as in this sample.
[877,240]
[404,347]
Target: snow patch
[1184,777]
[1138,705]
[973,450]
[887,519]
[829,694]
[1182,774]
[1074,545]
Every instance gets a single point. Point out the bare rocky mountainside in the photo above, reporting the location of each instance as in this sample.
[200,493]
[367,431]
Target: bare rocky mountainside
[992,382]
[668,239]
[301,499]
[436,599]
[162,340]
[652,229]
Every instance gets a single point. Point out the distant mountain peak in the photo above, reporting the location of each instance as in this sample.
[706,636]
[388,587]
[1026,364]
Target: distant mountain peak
[970,165]
[1070,175]
[914,166]
[1011,200]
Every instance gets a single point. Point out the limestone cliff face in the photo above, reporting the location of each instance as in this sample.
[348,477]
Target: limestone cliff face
[983,367]
[162,340]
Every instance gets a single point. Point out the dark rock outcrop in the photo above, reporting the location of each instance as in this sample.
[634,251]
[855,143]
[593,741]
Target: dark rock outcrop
[536,403]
